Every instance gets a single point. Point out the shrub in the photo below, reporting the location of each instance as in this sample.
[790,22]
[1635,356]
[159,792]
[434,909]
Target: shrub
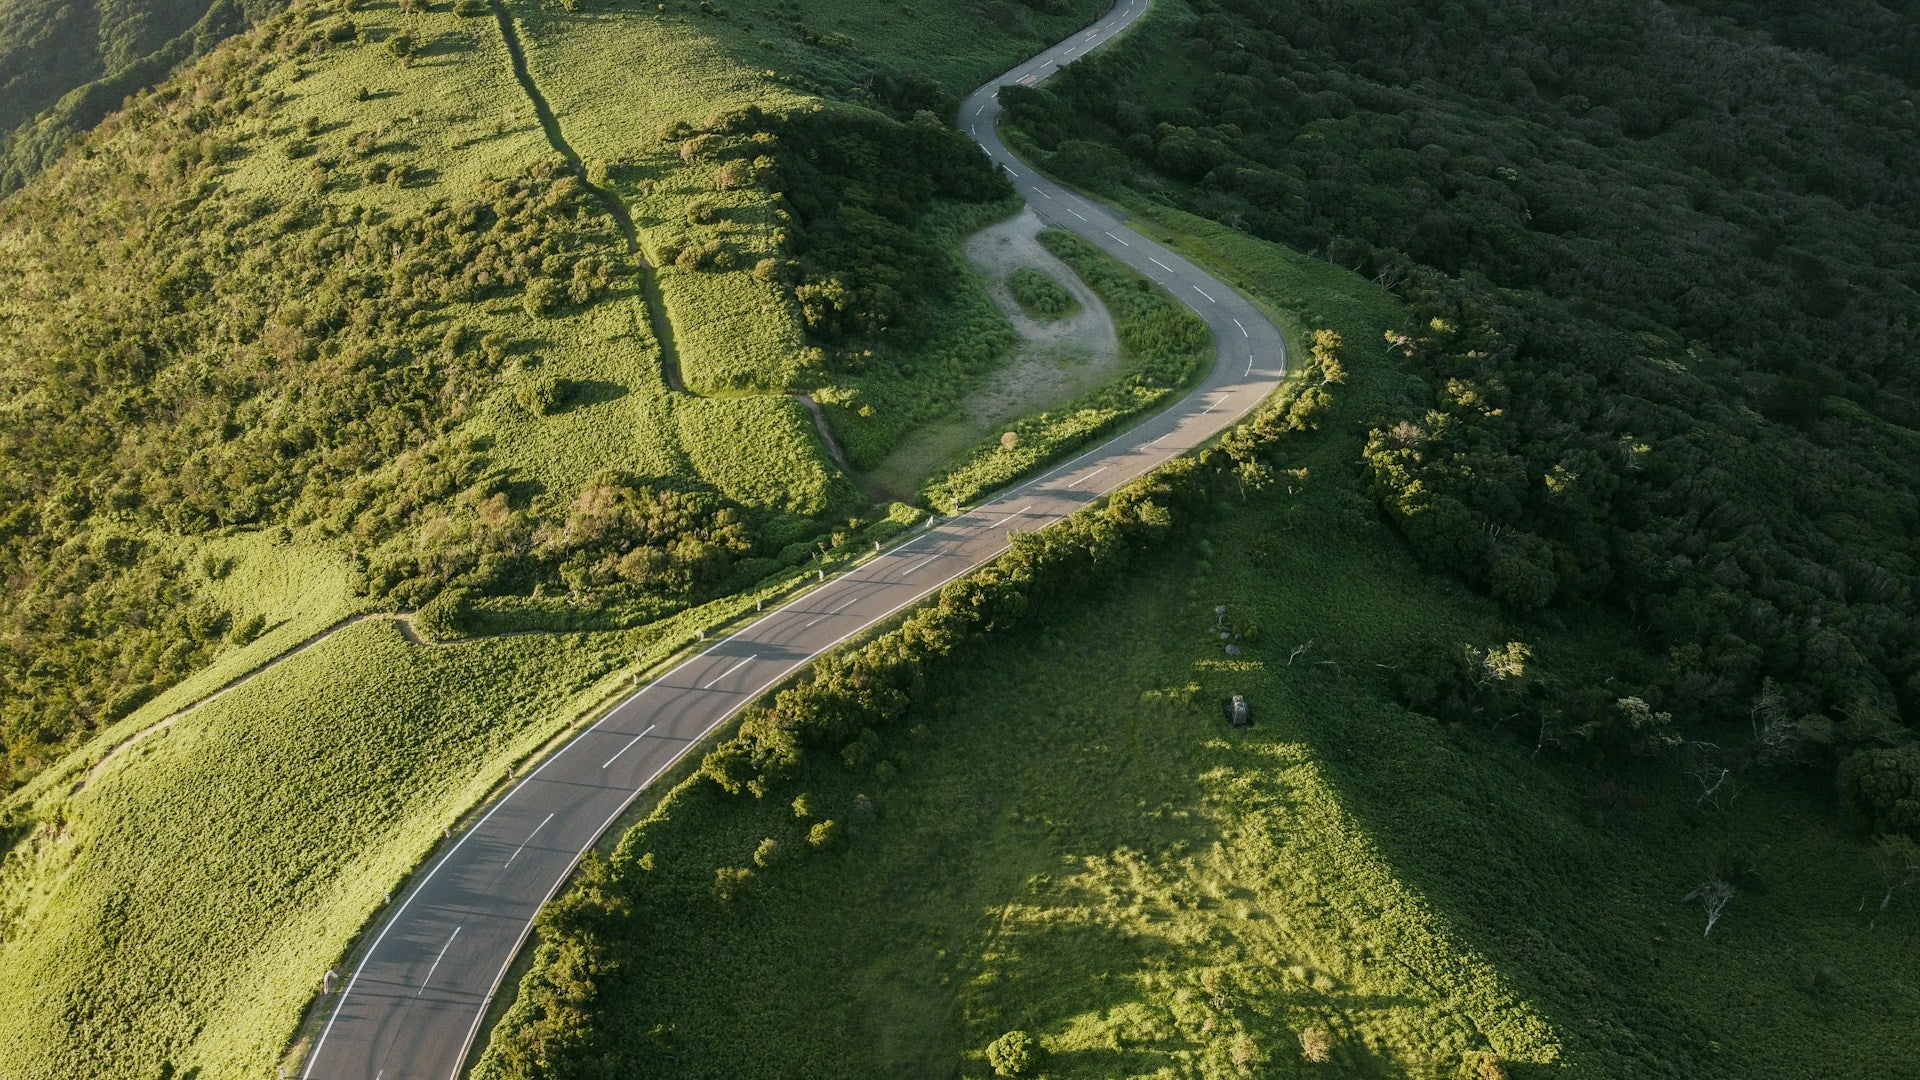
[730,882]
[1041,296]
[469,7]
[767,853]
[543,297]
[1013,1054]
[1484,1065]
[825,834]
[544,395]
[1880,789]
[1316,1045]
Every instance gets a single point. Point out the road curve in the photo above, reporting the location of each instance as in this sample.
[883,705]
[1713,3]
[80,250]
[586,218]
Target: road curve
[414,1006]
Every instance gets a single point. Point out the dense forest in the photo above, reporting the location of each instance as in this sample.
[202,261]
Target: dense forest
[1663,270]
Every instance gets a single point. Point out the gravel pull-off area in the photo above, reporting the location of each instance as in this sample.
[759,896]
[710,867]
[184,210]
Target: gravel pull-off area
[1058,361]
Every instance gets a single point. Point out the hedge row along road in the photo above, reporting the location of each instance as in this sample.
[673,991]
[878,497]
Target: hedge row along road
[413,1007]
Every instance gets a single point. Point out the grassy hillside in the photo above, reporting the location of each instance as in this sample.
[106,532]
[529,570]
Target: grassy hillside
[1059,836]
[175,913]
[356,277]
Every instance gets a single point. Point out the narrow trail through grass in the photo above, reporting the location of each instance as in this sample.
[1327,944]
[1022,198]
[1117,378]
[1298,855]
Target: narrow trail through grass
[661,326]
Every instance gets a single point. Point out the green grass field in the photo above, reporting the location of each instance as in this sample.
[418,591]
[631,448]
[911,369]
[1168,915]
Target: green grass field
[1065,839]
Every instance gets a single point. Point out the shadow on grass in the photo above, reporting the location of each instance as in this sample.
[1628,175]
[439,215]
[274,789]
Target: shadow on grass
[582,393]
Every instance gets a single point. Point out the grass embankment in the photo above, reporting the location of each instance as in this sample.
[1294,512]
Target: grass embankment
[1062,837]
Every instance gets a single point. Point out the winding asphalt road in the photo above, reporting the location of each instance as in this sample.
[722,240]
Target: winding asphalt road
[414,1006]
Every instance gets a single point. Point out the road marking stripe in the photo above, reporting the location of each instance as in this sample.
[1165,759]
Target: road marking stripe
[1043,193]
[1213,406]
[919,566]
[529,839]
[1089,476]
[629,746]
[436,962]
[1020,511]
[729,671]
[834,612]
[1249,365]
[1243,330]
[1160,264]
[1203,292]
[1076,213]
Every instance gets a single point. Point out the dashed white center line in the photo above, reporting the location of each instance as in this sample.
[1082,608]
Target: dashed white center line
[1249,365]
[1203,292]
[1213,406]
[1076,213]
[628,747]
[1163,438]
[1089,476]
[436,962]
[1043,193]
[716,679]
[1160,264]
[529,839]
[1243,330]
[837,610]
[1020,511]
[917,567]
[1122,239]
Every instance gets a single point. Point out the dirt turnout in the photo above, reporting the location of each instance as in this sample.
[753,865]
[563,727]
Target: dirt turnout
[1057,361]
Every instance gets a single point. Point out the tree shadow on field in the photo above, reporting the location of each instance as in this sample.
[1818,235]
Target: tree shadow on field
[442,48]
[585,392]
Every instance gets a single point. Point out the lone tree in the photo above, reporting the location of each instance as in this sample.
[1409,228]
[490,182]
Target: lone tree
[1714,893]
[1013,1054]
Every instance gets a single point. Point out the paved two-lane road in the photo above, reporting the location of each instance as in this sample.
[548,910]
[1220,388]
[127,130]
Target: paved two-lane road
[413,1007]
